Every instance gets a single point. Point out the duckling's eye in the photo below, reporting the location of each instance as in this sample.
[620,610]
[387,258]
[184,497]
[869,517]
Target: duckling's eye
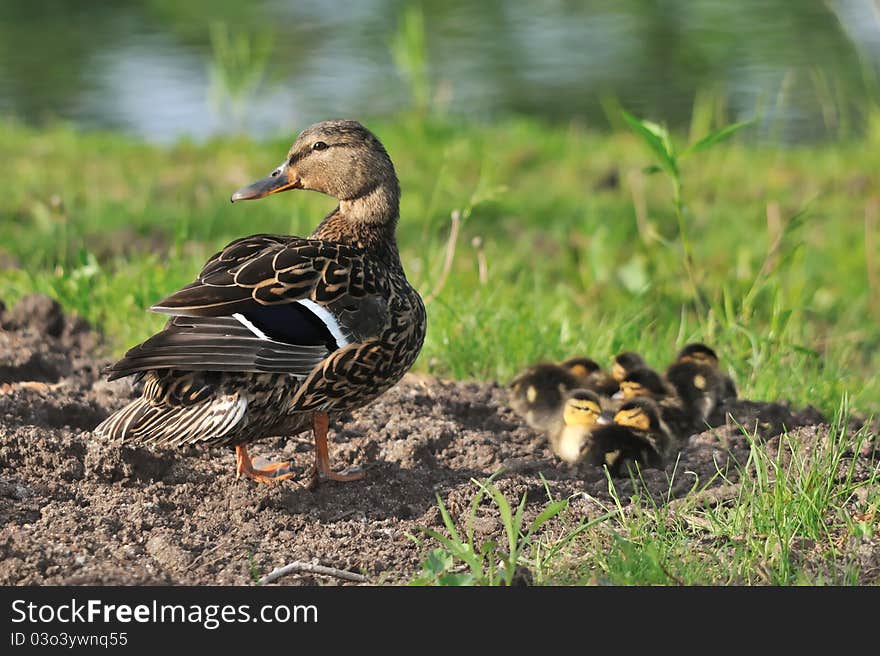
[637,390]
[630,418]
[319,145]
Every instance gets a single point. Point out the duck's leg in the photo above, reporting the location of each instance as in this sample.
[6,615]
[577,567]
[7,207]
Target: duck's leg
[267,475]
[320,425]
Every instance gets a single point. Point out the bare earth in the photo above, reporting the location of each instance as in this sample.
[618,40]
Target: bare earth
[75,509]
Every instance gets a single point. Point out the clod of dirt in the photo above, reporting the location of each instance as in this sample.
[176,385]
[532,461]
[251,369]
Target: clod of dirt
[76,509]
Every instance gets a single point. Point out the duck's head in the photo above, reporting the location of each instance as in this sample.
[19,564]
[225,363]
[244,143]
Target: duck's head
[640,413]
[625,362]
[540,389]
[339,158]
[644,382]
[581,367]
[582,408]
[699,353]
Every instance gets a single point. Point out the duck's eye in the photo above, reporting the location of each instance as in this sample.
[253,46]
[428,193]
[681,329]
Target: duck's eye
[319,145]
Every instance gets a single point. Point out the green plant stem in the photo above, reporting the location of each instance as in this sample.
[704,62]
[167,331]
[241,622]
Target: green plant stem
[687,254]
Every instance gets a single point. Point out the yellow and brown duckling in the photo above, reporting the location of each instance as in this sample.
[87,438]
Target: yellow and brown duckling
[643,381]
[683,402]
[625,362]
[580,413]
[701,354]
[636,436]
[591,376]
[537,394]
[278,332]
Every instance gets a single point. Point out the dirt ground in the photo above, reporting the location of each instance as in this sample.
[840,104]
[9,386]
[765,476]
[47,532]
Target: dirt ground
[75,509]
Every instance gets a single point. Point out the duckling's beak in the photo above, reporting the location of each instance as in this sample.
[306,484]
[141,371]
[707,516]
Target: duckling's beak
[607,417]
[281,179]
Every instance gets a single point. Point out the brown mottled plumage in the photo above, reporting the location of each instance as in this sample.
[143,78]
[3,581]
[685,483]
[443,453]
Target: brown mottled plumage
[278,331]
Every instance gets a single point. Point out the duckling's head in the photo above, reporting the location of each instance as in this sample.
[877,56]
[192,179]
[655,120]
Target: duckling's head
[581,367]
[643,381]
[339,158]
[538,391]
[698,352]
[625,362]
[640,413]
[582,408]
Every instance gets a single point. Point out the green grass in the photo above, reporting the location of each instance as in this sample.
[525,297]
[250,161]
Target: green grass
[465,560]
[786,291]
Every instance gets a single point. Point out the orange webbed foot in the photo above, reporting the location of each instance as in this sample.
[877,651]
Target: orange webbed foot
[266,474]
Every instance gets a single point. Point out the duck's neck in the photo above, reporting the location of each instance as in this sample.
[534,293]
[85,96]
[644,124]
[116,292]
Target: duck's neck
[367,222]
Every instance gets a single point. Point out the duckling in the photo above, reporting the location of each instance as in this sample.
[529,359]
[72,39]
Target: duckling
[637,435]
[678,418]
[591,375]
[278,333]
[625,362]
[580,412]
[702,354]
[698,388]
[643,381]
[537,393]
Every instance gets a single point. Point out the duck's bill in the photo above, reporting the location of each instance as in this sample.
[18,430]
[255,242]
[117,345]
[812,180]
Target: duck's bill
[276,181]
[605,418]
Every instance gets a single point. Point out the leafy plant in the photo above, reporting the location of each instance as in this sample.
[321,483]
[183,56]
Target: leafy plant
[667,160]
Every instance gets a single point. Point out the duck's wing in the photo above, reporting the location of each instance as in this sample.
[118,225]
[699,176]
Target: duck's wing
[264,304]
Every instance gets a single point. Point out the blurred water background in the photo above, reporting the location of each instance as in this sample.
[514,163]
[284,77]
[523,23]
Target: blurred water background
[164,69]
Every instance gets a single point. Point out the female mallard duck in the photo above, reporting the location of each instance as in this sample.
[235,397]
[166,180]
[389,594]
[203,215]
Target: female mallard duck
[591,376]
[278,332]
[580,412]
[702,354]
[537,393]
[637,435]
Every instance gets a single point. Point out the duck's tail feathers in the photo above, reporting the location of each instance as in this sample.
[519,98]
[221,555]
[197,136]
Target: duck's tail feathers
[149,422]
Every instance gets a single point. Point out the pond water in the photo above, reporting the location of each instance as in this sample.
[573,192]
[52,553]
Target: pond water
[164,69]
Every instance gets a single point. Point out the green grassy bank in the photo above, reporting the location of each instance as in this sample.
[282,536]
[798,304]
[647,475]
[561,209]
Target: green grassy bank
[565,246]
